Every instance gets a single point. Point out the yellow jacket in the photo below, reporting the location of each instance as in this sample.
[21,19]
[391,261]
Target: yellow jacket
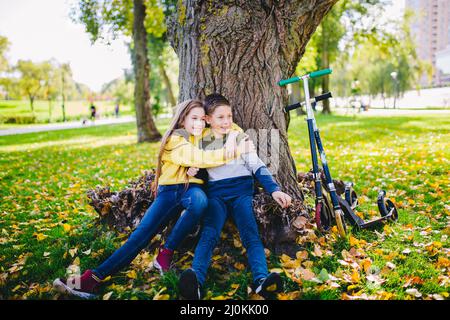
[181,152]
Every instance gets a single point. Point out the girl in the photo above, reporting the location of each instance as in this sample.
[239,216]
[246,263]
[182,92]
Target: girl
[175,192]
[230,193]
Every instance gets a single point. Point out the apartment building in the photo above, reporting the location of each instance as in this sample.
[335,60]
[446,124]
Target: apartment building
[431,30]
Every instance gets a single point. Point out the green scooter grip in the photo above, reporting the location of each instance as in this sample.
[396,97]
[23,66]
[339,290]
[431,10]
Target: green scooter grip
[287,81]
[320,73]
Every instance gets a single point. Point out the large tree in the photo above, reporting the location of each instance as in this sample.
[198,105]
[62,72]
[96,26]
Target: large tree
[242,49]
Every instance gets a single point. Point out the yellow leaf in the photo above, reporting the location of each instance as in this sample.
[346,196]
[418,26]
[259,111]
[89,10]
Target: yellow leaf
[160,296]
[73,252]
[366,263]
[237,243]
[40,236]
[107,296]
[76,261]
[354,241]
[16,288]
[132,274]
[355,276]
[239,266]
[67,227]
[219,298]
[302,255]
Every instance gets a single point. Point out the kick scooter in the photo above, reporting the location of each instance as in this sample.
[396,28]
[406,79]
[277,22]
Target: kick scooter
[339,208]
[324,211]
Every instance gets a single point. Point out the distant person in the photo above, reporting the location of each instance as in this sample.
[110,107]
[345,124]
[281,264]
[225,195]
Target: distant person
[93,112]
[116,109]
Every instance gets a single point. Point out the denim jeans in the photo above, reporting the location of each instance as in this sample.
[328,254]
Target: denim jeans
[240,208]
[170,201]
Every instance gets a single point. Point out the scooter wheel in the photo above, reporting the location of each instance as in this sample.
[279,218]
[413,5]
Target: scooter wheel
[389,206]
[354,200]
[323,216]
[340,225]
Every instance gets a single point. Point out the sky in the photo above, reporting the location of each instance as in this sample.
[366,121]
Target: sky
[39,30]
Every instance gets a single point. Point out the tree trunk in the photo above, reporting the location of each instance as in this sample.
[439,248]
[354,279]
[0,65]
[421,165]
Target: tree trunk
[325,80]
[166,80]
[241,49]
[31,102]
[146,127]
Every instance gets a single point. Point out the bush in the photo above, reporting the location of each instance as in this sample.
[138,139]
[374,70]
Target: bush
[18,119]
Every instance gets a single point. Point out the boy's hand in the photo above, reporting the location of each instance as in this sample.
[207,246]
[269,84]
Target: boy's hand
[192,171]
[283,199]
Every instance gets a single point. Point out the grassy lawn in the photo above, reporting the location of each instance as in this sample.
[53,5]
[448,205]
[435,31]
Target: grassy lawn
[46,223]
[74,109]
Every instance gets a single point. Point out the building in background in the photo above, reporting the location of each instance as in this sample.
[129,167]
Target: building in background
[431,30]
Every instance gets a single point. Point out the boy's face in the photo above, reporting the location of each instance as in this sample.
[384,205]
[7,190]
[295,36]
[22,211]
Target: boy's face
[220,120]
[194,123]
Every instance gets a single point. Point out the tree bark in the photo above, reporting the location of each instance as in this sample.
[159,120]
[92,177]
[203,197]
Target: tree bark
[146,128]
[241,49]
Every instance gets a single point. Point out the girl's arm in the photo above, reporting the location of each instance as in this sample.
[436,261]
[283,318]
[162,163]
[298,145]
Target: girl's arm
[178,150]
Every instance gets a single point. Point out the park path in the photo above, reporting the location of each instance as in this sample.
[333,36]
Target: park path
[65,125]
[391,112]
[127,119]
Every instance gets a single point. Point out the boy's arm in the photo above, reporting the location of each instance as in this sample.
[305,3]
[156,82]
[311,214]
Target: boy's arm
[262,174]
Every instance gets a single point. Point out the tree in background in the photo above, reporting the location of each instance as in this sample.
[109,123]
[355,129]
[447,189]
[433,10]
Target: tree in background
[104,19]
[375,58]
[31,79]
[4,65]
[4,46]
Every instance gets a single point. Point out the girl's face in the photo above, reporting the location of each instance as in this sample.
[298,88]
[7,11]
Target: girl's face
[194,123]
[220,120]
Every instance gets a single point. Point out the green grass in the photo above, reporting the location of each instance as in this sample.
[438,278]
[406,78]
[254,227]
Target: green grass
[74,109]
[46,223]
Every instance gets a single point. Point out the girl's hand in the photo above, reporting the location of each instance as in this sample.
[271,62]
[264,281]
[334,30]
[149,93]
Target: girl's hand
[283,199]
[192,171]
[246,146]
[231,145]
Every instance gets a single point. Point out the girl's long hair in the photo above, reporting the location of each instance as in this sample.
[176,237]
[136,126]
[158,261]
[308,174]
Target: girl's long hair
[182,110]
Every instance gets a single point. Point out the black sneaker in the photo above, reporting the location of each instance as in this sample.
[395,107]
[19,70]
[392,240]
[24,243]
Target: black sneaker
[267,287]
[189,286]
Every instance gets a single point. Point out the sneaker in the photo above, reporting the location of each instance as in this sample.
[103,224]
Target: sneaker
[189,286]
[83,286]
[163,260]
[268,286]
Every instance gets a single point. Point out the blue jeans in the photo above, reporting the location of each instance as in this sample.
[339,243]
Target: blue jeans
[240,208]
[170,201]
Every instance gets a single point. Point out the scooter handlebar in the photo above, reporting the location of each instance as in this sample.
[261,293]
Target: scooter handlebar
[324,96]
[316,99]
[320,73]
[314,74]
[292,107]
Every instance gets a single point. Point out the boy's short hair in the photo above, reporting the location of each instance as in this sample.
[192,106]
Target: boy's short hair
[214,100]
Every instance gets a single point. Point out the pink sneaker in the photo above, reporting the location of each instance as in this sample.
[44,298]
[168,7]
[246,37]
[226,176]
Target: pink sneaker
[84,286]
[163,260]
